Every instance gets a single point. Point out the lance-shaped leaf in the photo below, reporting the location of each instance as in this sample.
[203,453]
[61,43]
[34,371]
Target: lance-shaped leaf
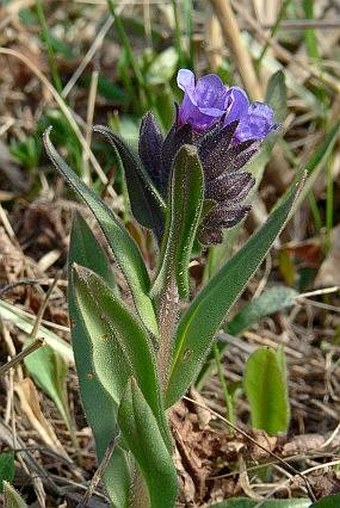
[146,203]
[266,388]
[270,301]
[185,207]
[125,250]
[205,315]
[276,96]
[120,345]
[85,250]
[143,437]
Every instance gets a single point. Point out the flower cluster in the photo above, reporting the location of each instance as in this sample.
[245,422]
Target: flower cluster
[209,100]
[227,131]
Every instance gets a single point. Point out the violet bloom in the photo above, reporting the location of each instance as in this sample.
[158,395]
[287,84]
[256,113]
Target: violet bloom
[227,131]
[204,102]
[208,100]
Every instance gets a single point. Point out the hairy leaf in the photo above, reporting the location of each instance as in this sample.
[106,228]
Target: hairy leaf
[85,250]
[146,203]
[125,250]
[185,207]
[144,438]
[120,345]
[208,310]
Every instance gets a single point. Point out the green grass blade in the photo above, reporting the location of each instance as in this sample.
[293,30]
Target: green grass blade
[25,322]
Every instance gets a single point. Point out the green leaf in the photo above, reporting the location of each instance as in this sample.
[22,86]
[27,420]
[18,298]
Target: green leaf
[270,301]
[266,388]
[143,436]
[7,468]
[184,212]
[120,345]
[11,497]
[49,371]
[125,250]
[271,503]
[208,310]
[25,322]
[85,250]
[146,203]
[332,501]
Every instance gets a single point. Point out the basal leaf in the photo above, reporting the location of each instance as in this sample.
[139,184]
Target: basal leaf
[266,388]
[125,250]
[146,203]
[208,310]
[120,345]
[143,436]
[85,250]
[185,206]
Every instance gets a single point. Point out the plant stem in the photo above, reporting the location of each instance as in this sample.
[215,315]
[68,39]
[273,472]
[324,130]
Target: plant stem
[140,497]
[168,312]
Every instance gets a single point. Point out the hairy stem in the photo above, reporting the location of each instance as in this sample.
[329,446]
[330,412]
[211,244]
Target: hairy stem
[168,312]
[140,497]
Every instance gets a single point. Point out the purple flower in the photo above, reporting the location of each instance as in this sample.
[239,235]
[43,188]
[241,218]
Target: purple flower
[227,131]
[208,100]
[204,102]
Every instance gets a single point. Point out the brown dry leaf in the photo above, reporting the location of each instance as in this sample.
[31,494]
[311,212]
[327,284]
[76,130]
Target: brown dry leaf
[329,273]
[29,400]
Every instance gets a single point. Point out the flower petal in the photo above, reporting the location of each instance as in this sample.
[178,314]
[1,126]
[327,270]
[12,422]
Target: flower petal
[186,81]
[237,104]
[257,124]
